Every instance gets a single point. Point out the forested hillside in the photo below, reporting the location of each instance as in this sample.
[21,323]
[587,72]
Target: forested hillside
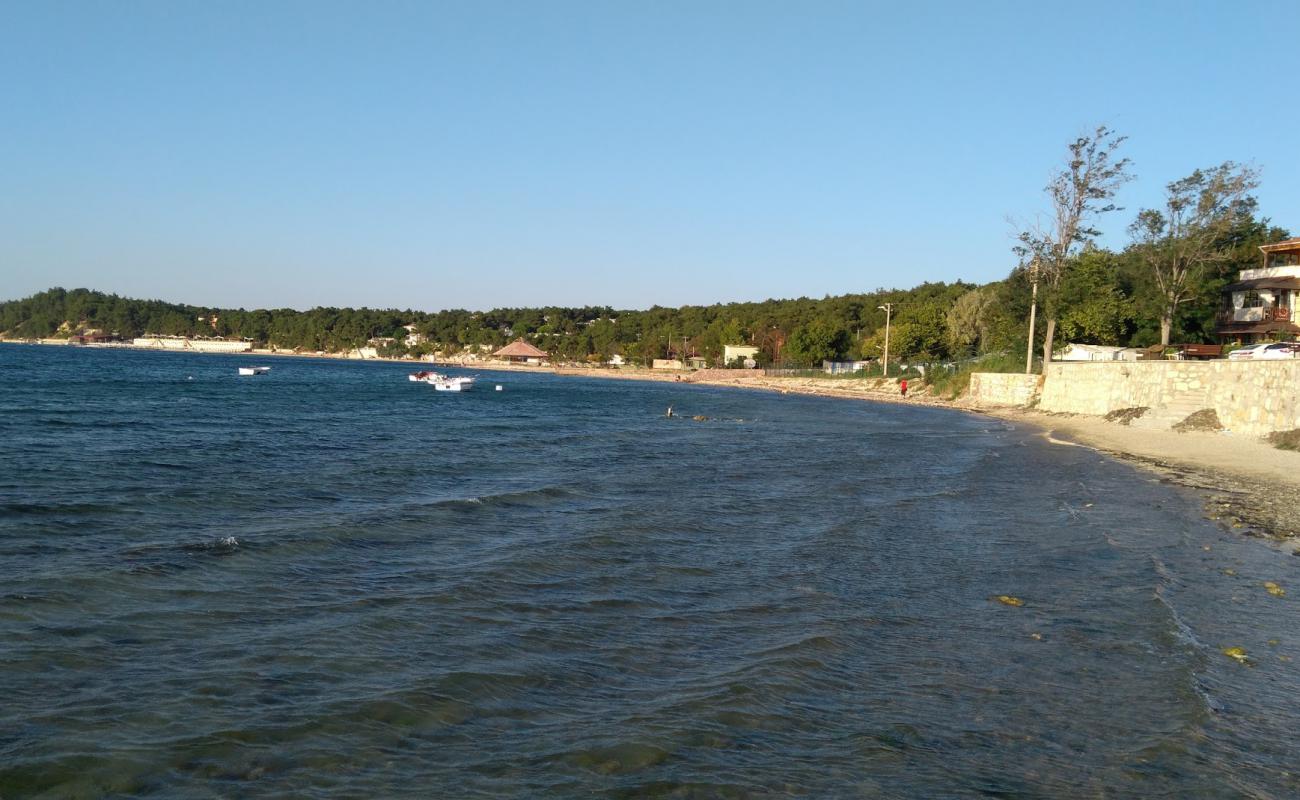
[1104,298]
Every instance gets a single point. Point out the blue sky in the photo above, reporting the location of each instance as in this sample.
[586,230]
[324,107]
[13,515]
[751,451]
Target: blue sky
[479,154]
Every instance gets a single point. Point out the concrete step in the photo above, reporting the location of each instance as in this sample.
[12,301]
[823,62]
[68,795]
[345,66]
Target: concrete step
[1176,410]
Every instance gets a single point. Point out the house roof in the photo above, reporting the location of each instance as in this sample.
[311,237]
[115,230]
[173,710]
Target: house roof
[1264,283]
[1286,244]
[1093,348]
[1257,327]
[520,349]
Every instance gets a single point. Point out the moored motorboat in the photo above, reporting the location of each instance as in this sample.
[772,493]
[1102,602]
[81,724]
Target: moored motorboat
[462,383]
[254,370]
[425,376]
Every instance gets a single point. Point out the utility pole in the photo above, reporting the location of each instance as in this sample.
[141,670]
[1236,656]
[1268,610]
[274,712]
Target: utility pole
[888,308]
[1033,313]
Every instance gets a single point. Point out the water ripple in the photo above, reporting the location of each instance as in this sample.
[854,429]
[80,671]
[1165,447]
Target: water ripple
[331,584]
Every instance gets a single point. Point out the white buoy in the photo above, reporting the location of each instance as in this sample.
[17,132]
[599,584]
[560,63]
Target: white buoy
[499,387]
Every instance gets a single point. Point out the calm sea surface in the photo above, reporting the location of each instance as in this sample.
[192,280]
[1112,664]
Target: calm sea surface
[330,582]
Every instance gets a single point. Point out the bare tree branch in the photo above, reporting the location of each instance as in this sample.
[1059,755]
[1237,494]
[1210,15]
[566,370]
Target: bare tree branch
[1079,193]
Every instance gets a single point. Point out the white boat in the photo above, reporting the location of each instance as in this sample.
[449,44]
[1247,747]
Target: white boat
[254,370]
[442,383]
[460,384]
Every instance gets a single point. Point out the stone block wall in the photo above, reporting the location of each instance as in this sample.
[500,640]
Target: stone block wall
[1003,388]
[1252,398]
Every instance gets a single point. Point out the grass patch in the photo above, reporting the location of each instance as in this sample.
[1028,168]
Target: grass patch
[1126,415]
[1204,420]
[1285,440]
[952,382]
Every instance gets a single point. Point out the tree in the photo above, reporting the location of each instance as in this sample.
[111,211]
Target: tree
[921,330]
[814,343]
[968,322]
[1094,309]
[1079,193]
[1191,231]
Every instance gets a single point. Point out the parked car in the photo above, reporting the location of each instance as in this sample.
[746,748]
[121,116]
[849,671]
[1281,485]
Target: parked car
[1265,352]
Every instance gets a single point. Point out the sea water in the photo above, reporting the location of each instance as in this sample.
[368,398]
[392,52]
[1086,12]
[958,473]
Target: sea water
[329,581]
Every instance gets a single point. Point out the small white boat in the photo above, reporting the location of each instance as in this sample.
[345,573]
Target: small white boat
[254,370]
[425,376]
[461,384]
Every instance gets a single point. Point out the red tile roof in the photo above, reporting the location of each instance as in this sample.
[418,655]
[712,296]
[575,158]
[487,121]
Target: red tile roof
[520,349]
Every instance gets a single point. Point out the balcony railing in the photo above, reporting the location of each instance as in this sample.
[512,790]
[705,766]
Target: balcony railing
[1255,314]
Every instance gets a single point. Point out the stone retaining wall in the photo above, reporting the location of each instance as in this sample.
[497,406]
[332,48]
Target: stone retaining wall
[1252,398]
[1003,388]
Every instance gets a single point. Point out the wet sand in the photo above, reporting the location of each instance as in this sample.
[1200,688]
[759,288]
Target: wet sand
[1247,484]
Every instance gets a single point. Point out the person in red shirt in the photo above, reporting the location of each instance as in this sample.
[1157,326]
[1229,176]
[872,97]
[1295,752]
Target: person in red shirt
[902,385]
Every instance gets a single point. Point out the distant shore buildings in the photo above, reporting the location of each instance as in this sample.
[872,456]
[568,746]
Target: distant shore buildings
[194,345]
[521,352]
[1261,305]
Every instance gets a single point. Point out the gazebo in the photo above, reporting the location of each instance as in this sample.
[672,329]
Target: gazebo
[521,352]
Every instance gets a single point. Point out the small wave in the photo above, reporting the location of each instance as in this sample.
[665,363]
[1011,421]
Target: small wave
[164,465]
[539,497]
[160,557]
[226,544]
[54,508]
[91,422]
[815,643]
[1050,437]
[1181,629]
[1182,633]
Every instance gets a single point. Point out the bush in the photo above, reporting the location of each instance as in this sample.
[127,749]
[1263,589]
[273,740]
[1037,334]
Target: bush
[952,381]
[1285,440]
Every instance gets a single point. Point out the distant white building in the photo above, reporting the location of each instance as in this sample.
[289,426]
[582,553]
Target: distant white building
[193,345]
[1090,352]
[412,338]
[731,352]
[841,367]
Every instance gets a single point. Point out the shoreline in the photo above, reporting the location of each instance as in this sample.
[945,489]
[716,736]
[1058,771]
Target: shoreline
[1245,484]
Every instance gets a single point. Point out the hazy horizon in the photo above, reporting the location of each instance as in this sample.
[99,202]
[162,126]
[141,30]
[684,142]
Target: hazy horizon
[479,156]
[473,309]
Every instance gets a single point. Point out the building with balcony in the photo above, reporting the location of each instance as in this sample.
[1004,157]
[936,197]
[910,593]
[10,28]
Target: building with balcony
[1262,304]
